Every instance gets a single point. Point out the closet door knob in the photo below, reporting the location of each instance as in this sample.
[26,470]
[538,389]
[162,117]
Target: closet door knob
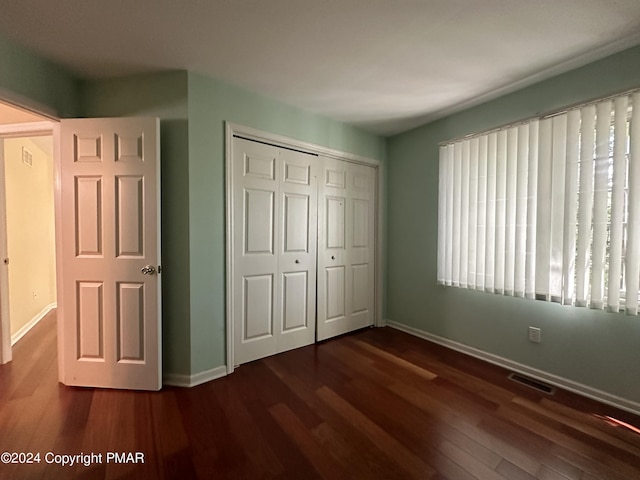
[297,261]
[333,257]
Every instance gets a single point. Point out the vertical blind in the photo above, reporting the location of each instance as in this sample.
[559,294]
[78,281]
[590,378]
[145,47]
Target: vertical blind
[547,209]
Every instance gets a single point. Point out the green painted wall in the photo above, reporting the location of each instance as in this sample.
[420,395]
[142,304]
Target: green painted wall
[30,81]
[164,96]
[591,347]
[211,103]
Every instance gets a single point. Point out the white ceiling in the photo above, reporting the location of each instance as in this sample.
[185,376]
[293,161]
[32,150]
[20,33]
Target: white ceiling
[384,65]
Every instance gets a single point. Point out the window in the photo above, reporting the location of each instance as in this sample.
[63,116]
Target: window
[547,209]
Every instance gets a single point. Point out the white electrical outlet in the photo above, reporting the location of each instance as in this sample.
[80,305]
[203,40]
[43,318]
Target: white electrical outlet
[535,335]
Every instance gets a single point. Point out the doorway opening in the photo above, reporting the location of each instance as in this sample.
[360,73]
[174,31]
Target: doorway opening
[27,220]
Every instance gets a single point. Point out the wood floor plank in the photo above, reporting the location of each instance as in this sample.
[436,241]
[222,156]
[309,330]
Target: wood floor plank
[621,430]
[249,400]
[575,427]
[479,451]
[243,447]
[386,443]
[550,461]
[327,466]
[416,427]
[405,365]
[546,473]
[590,447]
[589,466]
[171,439]
[437,400]
[356,463]
[512,472]
[468,462]
[345,431]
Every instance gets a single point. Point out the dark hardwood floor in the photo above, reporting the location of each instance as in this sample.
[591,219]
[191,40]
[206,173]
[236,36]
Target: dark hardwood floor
[378,404]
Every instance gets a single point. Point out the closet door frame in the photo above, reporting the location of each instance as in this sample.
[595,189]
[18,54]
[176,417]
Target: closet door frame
[235,130]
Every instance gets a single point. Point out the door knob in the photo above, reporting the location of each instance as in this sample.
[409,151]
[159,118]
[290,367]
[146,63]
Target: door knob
[297,261]
[333,257]
[148,270]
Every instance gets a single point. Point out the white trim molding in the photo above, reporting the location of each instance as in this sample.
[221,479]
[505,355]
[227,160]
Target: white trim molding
[32,323]
[180,380]
[33,129]
[555,380]
[5,327]
[249,133]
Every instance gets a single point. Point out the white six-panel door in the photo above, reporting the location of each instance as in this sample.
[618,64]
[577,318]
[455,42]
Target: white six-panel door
[274,249]
[110,288]
[346,247]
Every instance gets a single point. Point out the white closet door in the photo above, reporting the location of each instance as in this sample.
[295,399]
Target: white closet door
[346,248]
[298,247]
[274,268]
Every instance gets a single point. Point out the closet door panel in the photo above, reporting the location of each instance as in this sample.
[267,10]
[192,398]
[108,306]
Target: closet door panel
[274,243]
[346,247]
[298,250]
[256,303]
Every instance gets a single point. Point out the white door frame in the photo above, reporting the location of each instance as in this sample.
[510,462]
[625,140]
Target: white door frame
[249,133]
[34,129]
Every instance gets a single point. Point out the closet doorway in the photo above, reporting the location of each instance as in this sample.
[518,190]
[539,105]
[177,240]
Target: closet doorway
[301,244]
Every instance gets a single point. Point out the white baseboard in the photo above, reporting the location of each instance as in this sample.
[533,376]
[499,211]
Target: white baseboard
[32,323]
[180,380]
[555,380]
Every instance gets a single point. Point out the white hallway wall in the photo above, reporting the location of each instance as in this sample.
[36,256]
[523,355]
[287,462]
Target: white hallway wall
[30,229]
